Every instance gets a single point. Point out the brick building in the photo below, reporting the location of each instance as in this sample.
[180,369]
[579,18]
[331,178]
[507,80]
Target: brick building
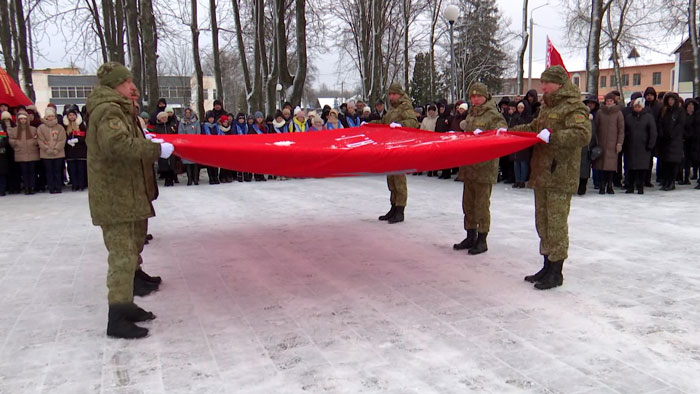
[635,78]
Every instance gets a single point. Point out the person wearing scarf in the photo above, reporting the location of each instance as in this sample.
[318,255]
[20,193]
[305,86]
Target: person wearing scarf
[279,125]
[190,125]
[226,176]
[23,140]
[298,122]
[52,141]
[333,122]
[76,149]
[210,127]
[259,127]
[316,124]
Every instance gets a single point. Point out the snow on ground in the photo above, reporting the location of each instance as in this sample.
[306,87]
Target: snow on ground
[294,286]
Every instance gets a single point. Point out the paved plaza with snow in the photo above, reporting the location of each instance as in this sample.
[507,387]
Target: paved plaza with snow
[296,287]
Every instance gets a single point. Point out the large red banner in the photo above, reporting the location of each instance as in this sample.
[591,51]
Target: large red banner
[370,149]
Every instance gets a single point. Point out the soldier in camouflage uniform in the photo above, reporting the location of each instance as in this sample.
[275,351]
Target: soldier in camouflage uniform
[400,113]
[562,123]
[120,162]
[479,178]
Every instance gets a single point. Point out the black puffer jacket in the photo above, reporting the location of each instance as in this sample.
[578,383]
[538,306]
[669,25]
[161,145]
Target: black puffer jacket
[640,137]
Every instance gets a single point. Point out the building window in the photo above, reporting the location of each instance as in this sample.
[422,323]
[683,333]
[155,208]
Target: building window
[205,95]
[625,80]
[70,91]
[576,81]
[613,81]
[213,96]
[656,78]
[636,79]
[603,81]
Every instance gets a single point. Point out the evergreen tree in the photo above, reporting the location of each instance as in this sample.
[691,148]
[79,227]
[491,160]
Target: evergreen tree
[419,90]
[480,53]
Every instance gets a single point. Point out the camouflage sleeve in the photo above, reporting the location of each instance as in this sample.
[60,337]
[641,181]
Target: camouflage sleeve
[413,123]
[498,121]
[576,131]
[530,127]
[112,136]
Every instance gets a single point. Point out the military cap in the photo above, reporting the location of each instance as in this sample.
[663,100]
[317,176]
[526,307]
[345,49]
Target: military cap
[479,89]
[396,88]
[113,74]
[555,74]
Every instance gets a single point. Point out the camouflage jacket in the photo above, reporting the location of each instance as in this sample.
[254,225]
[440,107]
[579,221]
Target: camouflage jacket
[556,165]
[120,161]
[484,117]
[402,113]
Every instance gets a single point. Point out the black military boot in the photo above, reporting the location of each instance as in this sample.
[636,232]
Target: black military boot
[137,314]
[553,277]
[389,214]
[398,216]
[468,242]
[480,245]
[143,288]
[540,274]
[120,325]
[148,278]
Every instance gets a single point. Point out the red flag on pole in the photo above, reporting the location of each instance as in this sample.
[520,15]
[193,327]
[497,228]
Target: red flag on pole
[10,93]
[553,56]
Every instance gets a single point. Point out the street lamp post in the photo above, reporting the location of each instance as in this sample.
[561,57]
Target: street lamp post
[452,14]
[529,67]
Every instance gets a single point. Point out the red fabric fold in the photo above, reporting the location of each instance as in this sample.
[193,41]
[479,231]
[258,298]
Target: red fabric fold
[367,150]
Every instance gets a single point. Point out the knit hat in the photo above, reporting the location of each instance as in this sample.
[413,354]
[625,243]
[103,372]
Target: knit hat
[21,114]
[223,118]
[479,89]
[396,88]
[366,109]
[555,74]
[464,106]
[638,102]
[49,111]
[609,96]
[217,101]
[162,116]
[112,74]
[6,115]
[297,110]
[259,114]
[144,115]
[169,109]
[418,110]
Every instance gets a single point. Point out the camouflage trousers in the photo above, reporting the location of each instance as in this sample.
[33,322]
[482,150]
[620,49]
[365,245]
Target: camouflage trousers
[124,242]
[551,220]
[476,204]
[398,188]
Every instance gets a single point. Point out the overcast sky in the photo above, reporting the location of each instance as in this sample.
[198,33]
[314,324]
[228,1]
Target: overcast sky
[548,21]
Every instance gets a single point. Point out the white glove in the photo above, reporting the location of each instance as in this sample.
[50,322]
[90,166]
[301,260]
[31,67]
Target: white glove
[363,123]
[544,135]
[157,140]
[394,125]
[501,130]
[478,131]
[148,136]
[71,142]
[166,149]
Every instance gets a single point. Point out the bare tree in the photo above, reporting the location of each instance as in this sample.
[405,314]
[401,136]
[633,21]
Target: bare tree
[6,40]
[215,44]
[149,45]
[21,47]
[199,75]
[614,32]
[694,33]
[435,9]
[521,52]
[134,42]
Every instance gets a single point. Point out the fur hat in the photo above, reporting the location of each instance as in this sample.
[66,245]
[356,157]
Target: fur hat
[396,88]
[6,115]
[162,116]
[113,74]
[555,74]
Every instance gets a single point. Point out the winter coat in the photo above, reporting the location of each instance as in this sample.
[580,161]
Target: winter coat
[375,115]
[610,132]
[653,106]
[25,149]
[484,117]
[211,129]
[692,135]
[4,153]
[428,123]
[120,161]
[257,129]
[400,112]
[190,126]
[556,165]
[52,140]
[76,130]
[515,120]
[671,127]
[640,137]
[330,126]
[350,120]
[242,128]
[215,114]
[153,119]
[456,121]
[442,124]
[169,127]
[532,109]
